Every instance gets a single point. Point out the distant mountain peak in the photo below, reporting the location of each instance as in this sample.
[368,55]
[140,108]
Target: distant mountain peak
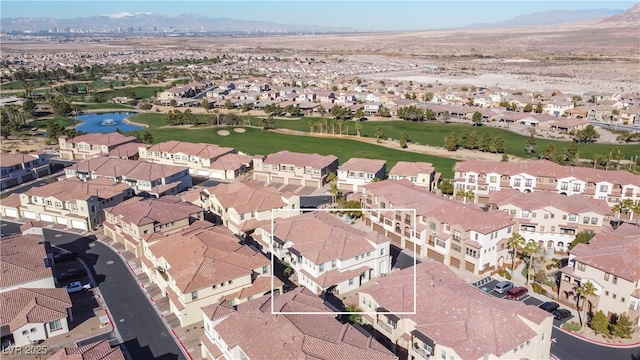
[551,17]
[119,15]
[631,16]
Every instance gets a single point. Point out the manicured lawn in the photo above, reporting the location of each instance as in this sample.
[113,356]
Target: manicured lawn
[142,92]
[42,123]
[256,141]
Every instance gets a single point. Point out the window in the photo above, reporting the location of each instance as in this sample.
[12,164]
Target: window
[541,228]
[455,247]
[614,296]
[194,295]
[604,188]
[351,281]
[585,220]
[512,213]
[615,280]
[49,203]
[33,330]
[553,228]
[265,269]
[576,187]
[444,355]
[440,243]
[472,253]
[25,332]
[357,257]
[321,267]
[334,263]
[564,186]
[528,182]
[472,178]
[546,216]
[606,276]
[493,179]
[581,266]
[55,325]
[525,213]
[594,221]
[381,252]
[432,226]
[573,217]
[516,182]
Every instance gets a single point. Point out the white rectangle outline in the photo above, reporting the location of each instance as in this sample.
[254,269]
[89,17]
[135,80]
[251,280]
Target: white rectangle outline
[415,284]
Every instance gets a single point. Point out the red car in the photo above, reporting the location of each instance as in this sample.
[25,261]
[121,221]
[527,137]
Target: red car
[517,292]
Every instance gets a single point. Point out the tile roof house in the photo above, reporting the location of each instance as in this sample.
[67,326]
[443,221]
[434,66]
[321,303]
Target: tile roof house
[483,177]
[292,168]
[19,168]
[244,206]
[202,265]
[453,320]
[551,219]
[24,263]
[419,173]
[206,160]
[146,179]
[358,171]
[252,331]
[32,315]
[137,220]
[610,262]
[325,253]
[460,235]
[74,203]
[91,145]
[100,350]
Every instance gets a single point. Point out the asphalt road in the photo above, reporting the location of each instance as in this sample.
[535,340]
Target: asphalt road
[143,333]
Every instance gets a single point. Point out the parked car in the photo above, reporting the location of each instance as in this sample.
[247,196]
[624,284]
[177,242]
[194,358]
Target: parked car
[77,286]
[517,292]
[561,314]
[549,306]
[65,256]
[72,273]
[503,286]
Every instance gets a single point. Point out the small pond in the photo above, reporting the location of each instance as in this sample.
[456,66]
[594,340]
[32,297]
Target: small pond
[106,122]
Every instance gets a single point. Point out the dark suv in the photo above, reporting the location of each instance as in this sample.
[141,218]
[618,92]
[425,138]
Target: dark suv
[517,292]
[65,256]
[549,306]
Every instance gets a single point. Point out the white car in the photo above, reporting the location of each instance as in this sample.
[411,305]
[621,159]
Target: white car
[77,286]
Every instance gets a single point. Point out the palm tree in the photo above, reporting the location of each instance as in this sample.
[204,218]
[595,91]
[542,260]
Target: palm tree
[312,125]
[358,127]
[217,112]
[515,242]
[532,248]
[334,190]
[465,195]
[626,206]
[596,160]
[583,292]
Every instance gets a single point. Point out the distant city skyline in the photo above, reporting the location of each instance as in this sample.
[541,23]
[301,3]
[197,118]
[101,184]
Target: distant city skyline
[359,15]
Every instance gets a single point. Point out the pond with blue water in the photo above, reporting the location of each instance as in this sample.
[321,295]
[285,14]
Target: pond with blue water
[106,122]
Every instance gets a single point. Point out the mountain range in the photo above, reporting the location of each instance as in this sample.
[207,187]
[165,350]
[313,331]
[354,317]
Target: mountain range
[190,23]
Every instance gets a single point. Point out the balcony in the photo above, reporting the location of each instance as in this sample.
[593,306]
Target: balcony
[386,327]
[420,351]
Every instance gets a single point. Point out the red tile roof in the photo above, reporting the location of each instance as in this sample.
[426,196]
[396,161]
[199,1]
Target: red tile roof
[25,306]
[575,204]
[73,189]
[162,210]
[23,260]
[100,350]
[315,161]
[366,165]
[109,139]
[247,196]
[406,168]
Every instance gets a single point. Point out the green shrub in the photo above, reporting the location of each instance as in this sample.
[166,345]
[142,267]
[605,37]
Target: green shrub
[623,327]
[600,323]
[571,326]
[507,275]
[538,289]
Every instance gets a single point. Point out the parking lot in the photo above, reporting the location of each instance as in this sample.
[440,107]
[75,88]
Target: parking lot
[487,284]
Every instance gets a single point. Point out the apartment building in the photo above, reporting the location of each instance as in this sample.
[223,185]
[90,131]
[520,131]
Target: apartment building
[88,146]
[610,262]
[100,350]
[452,320]
[542,175]
[72,202]
[244,206]
[460,235]
[358,171]
[34,315]
[252,331]
[325,253]
[419,173]
[146,179]
[291,168]
[139,220]
[551,219]
[20,168]
[24,263]
[202,265]
[206,160]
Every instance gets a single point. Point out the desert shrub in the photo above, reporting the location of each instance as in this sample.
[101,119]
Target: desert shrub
[571,326]
[537,288]
[600,323]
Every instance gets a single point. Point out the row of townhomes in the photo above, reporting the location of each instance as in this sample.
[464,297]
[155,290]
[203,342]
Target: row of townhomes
[610,262]
[32,309]
[542,175]
[20,168]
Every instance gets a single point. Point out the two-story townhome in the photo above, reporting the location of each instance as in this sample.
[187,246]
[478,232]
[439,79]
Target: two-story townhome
[206,160]
[252,331]
[74,203]
[145,178]
[99,350]
[19,168]
[137,220]
[549,218]
[244,206]
[34,315]
[204,264]
[325,253]
[610,262]
[356,172]
[482,177]
[292,168]
[452,320]
[91,145]
[24,263]
[460,235]
[419,173]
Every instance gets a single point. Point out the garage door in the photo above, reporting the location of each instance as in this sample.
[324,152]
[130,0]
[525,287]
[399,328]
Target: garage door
[295,181]
[47,218]
[395,239]
[62,220]
[260,177]
[11,212]
[454,262]
[469,266]
[216,175]
[77,224]
[277,179]
[203,173]
[346,187]
[314,184]
[29,215]
[435,256]
[27,177]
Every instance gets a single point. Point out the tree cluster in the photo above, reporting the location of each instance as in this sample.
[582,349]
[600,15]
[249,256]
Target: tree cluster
[414,113]
[175,117]
[469,140]
[586,135]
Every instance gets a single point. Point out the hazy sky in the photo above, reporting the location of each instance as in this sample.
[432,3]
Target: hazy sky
[361,15]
